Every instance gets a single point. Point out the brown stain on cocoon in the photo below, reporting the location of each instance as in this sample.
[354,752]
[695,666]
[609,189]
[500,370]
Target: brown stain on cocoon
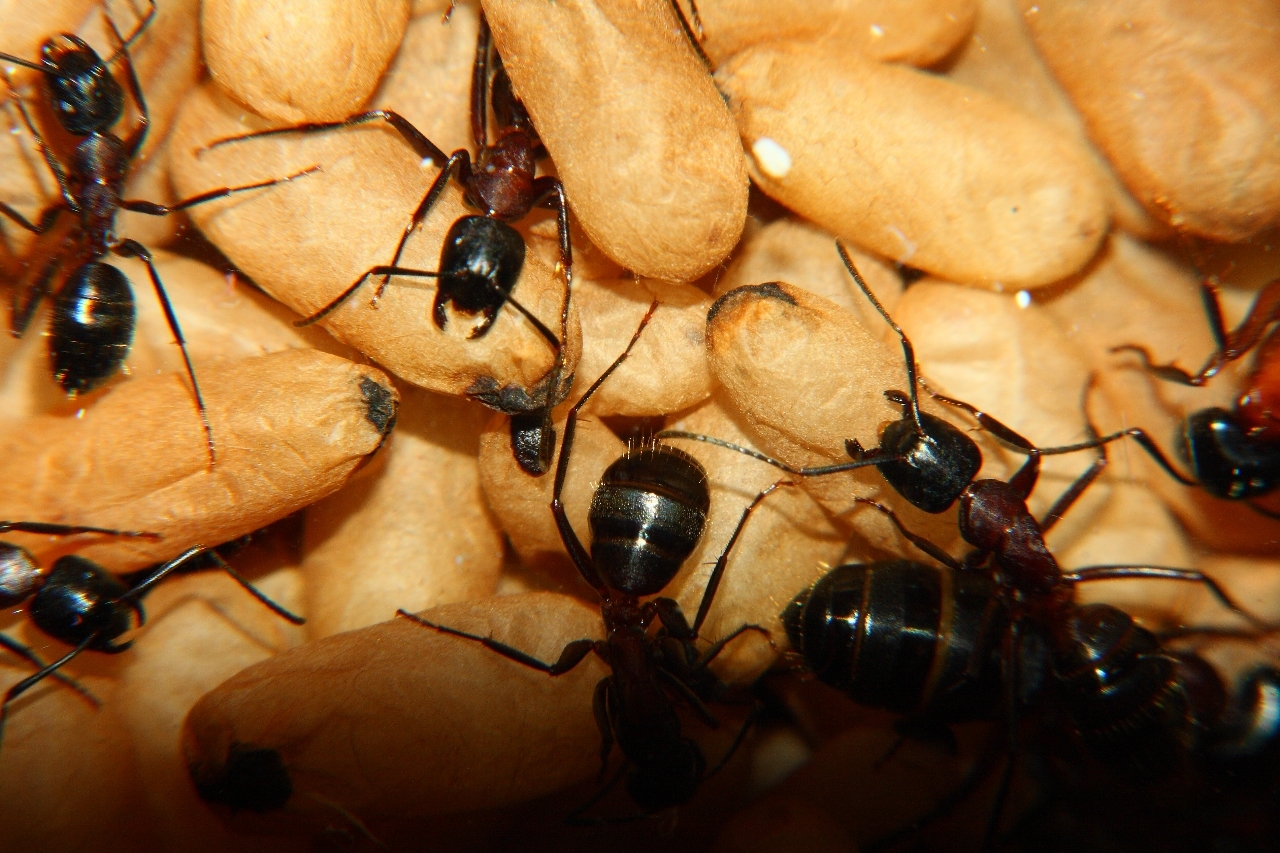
[641,138]
[137,459]
[915,167]
[1181,96]
[301,60]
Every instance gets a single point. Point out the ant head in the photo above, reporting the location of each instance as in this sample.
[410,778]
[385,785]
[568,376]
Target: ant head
[85,97]
[1228,461]
[79,599]
[936,460]
[20,575]
[646,518]
[667,777]
[479,264]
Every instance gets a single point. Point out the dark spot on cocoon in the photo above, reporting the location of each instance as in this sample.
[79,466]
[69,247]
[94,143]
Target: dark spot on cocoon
[380,405]
[251,778]
[768,290]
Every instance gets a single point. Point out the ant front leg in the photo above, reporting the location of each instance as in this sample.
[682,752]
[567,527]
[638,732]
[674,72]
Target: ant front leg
[134,249]
[32,680]
[457,166]
[600,708]
[31,657]
[570,656]
[549,192]
[150,208]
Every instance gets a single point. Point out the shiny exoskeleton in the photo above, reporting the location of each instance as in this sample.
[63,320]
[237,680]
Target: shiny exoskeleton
[892,634]
[926,459]
[482,256]
[79,603]
[646,517]
[93,306]
[1233,454]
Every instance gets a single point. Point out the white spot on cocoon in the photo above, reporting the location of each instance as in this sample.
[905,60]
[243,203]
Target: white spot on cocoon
[1023,299]
[877,31]
[908,248]
[771,157]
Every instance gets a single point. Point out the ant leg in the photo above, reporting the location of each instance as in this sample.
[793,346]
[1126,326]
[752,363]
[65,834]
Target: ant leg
[1102,573]
[457,166]
[690,698]
[68,197]
[1025,478]
[1068,498]
[68,529]
[549,192]
[32,680]
[150,208]
[737,740]
[713,651]
[24,310]
[1147,443]
[480,85]
[1168,372]
[570,656]
[133,143]
[600,708]
[919,541]
[423,147]
[1011,640]
[865,458]
[568,536]
[717,573]
[31,657]
[908,351]
[346,294]
[694,40]
[47,218]
[1264,311]
[573,819]
[134,249]
[284,614]
[139,589]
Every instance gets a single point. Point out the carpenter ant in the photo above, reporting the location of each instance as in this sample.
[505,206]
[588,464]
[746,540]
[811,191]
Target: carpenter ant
[924,458]
[646,517]
[1233,455]
[1131,703]
[82,604]
[482,256]
[93,310]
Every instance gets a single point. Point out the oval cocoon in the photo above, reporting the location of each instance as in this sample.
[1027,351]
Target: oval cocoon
[915,167]
[640,136]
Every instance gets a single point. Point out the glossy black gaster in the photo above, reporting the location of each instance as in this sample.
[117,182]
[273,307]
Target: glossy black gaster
[93,307]
[1232,453]
[646,517]
[79,603]
[926,459]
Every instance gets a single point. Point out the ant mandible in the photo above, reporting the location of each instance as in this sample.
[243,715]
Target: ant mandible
[81,604]
[482,256]
[93,311]
[1233,455]
[926,459]
[646,517]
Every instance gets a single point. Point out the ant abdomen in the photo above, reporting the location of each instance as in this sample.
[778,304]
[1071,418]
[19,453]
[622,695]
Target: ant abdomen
[903,636]
[92,327]
[646,518]
[1126,695]
[668,777]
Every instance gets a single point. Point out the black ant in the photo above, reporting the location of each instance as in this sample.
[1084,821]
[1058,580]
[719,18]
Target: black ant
[646,517]
[1233,455]
[1006,602]
[93,311]
[82,604]
[927,460]
[482,256]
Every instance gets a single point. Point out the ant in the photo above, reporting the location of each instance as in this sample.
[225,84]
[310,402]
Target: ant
[926,459]
[80,603]
[646,517]
[93,309]
[1007,602]
[482,255]
[1233,455]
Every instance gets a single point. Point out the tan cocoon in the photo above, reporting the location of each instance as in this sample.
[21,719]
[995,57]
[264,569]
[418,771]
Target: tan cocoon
[1181,96]
[915,167]
[138,460]
[647,150]
[301,60]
